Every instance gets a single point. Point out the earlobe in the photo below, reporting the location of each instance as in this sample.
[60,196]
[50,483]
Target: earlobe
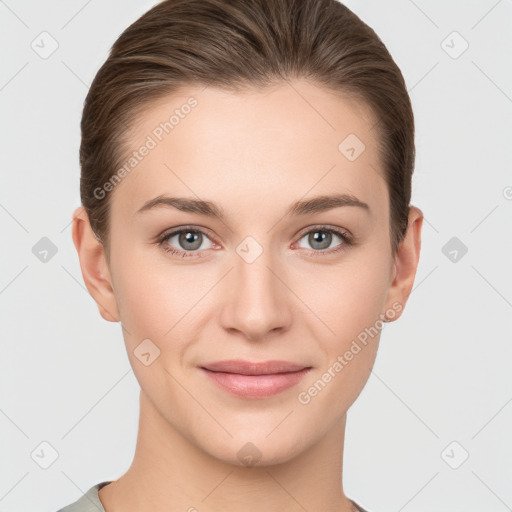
[93,263]
[406,262]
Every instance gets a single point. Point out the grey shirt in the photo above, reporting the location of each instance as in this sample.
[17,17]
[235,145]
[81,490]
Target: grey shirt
[90,502]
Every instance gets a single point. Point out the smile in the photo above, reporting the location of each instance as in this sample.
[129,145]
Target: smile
[255,380]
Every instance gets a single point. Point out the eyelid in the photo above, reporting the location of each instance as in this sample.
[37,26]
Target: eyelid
[174,231]
[344,234]
[325,227]
[169,233]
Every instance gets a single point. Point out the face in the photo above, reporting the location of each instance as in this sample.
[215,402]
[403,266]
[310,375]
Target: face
[264,281]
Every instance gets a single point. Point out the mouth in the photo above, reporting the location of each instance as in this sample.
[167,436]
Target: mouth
[248,379]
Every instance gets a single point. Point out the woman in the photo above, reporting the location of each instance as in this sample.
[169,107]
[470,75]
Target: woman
[276,137]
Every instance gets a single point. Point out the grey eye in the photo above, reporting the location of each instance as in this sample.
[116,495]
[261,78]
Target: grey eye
[320,239]
[188,240]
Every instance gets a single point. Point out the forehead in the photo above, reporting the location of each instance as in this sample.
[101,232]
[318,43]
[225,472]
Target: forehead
[266,146]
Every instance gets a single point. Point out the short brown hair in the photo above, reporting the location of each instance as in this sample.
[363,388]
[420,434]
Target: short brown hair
[242,43]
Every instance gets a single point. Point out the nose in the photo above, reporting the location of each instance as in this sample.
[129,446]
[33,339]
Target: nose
[256,298]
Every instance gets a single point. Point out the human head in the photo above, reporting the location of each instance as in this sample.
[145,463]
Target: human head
[276,83]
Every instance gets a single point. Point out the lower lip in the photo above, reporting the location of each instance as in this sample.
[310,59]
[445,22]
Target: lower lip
[256,386]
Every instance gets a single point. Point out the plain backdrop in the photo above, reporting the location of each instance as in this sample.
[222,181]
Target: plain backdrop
[432,428]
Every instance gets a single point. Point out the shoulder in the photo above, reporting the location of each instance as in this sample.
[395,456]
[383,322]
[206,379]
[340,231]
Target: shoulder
[358,507]
[88,502]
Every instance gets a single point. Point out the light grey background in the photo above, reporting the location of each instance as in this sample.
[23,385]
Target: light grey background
[443,371]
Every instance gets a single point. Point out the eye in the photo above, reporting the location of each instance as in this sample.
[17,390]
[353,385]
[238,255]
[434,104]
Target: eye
[190,242]
[321,237]
[187,240]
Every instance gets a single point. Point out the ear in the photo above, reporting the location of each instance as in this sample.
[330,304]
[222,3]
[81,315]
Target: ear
[405,264]
[93,262]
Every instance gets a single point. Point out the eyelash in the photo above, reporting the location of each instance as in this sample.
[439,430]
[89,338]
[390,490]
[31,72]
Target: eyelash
[347,240]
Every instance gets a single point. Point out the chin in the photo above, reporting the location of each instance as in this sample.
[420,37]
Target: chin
[255,450]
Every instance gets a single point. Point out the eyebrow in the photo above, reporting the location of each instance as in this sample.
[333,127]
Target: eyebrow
[210,209]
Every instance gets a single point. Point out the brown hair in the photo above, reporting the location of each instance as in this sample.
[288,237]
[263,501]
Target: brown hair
[243,43]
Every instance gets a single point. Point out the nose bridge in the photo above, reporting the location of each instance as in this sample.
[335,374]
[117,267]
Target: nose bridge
[257,302]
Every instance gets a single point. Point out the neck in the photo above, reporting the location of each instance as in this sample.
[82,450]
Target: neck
[170,473]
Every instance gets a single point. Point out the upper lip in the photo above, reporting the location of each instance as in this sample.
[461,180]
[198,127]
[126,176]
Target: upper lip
[253,368]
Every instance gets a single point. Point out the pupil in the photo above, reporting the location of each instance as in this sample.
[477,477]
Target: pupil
[321,237]
[189,237]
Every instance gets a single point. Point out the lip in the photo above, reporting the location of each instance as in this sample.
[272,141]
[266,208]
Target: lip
[249,379]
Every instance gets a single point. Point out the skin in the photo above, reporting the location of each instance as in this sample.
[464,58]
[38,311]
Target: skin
[253,153]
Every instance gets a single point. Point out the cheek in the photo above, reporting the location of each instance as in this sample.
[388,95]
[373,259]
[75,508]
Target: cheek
[350,296]
[349,299]
[350,305]
[152,307]
[146,288]
[160,300]
[144,298]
